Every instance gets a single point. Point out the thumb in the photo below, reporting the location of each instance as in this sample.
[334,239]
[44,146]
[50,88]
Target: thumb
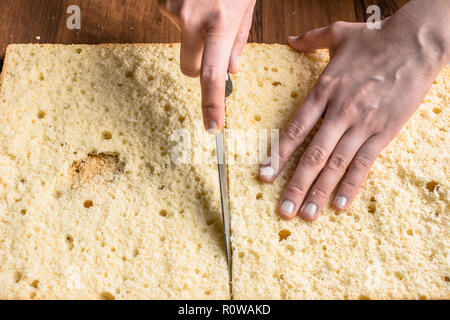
[320,38]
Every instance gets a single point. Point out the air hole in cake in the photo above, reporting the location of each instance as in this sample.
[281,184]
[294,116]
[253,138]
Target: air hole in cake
[69,242]
[150,78]
[371,208]
[209,222]
[35,284]
[40,114]
[106,135]
[363,297]
[422,297]
[437,110]
[88,203]
[167,107]
[78,50]
[266,69]
[294,94]
[163,213]
[258,117]
[274,69]
[276,83]
[107,296]
[259,196]
[41,77]
[372,199]
[446,279]
[284,234]
[129,74]
[18,276]
[290,249]
[409,232]
[208,292]
[432,185]
[135,252]
[151,168]
[23,211]
[241,254]
[181,119]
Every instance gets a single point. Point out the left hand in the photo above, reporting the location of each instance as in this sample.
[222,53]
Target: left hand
[374,82]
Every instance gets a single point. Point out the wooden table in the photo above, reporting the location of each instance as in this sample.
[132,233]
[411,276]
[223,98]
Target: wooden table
[127,21]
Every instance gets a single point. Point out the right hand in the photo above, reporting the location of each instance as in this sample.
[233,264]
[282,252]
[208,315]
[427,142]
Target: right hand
[213,34]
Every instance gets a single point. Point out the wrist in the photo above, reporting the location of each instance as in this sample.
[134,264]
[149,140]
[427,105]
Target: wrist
[425,27]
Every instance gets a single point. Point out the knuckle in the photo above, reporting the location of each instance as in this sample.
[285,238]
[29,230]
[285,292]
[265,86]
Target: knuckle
[211,74]
[323,87]
[189,71]
[337,163]
[337,26]
[295,130]
[362,161]
[218,13]
[210,108]
[347,108]
[314,156]
[319,192]
[295,189]
[348,185]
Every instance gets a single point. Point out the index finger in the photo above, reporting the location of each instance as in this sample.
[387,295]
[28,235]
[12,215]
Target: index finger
[216,55]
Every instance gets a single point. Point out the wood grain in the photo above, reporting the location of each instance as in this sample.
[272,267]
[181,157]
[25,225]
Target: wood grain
[127,21]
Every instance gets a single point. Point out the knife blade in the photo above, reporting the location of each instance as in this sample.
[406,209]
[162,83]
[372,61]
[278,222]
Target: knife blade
[223,182]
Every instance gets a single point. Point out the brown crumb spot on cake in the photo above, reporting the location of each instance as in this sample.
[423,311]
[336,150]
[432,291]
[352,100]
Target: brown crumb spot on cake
[101,164]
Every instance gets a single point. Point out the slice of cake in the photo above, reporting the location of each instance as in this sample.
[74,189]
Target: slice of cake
[91,204]
[394,240]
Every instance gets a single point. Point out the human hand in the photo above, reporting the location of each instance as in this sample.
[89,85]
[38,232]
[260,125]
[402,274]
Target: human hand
[213,34]
[374,82]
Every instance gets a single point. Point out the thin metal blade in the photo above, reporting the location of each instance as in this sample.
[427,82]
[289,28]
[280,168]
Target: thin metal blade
[224,199]
[223,182]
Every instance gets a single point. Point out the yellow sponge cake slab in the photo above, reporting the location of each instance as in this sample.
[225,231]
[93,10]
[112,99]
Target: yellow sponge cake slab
[91,205]
[393,242]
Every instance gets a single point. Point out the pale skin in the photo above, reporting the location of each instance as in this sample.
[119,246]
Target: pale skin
[374,82]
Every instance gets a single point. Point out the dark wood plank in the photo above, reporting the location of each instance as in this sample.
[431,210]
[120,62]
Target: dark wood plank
[128,21]
[292,17]
[101,22]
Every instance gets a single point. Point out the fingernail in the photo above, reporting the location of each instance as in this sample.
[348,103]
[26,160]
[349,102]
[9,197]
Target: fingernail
[286,208]
[211,127]
[340,202]
[267,172]
[309,211]
[292,38]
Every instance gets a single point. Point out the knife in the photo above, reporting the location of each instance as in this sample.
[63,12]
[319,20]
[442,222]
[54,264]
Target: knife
[223,182]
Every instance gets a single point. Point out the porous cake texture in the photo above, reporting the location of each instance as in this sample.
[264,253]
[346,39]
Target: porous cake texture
[393,242]
[93,205]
